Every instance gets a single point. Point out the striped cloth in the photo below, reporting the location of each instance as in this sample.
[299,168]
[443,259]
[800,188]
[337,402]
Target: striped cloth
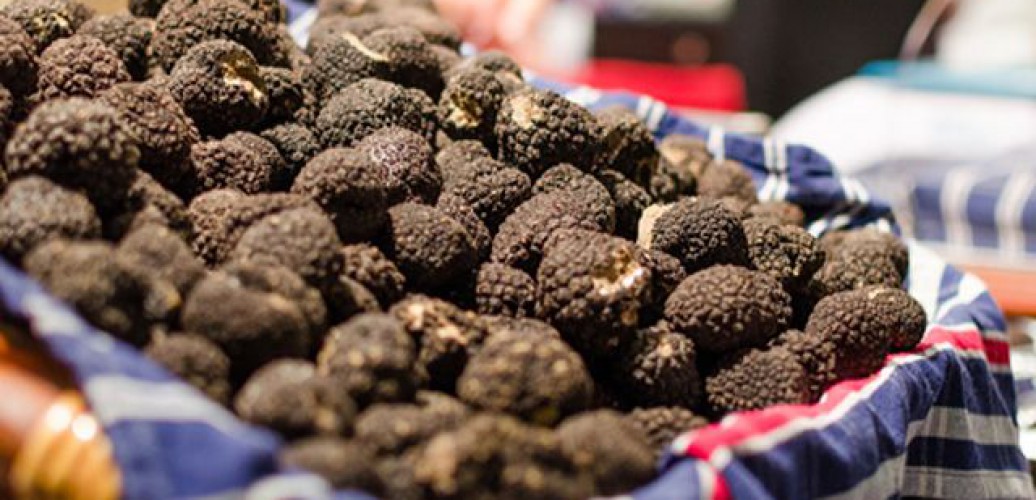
[936,422]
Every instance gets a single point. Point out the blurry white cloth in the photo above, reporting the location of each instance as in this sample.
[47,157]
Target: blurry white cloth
[986,34]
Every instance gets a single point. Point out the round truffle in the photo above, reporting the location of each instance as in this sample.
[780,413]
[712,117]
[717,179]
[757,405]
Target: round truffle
[701,233]
[302,239]
[370,105]
[661,425]
[756,380]
[78,66]
[353,189]
[290,397]
[584,186]
[469,105]
[196,360]
[522,237]
[127,36]
[788,253]
[430,248]
[34,210]
[615,453]
[366,264]
[370,357]
[658,369]
[185,24]
[537,129]
[408,157]
[504,290]
[344,464]
[48,20]
[491,188]
[627,145]
[18,62]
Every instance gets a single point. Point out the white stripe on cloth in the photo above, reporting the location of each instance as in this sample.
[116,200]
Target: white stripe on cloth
[884,483]
[299,28]
[706,479]
[952,483]
[717,143]
[775,156]
[294,486]
[1011,209]
[926,272]
[583,95]
[954,203]
[968,290]
[116,398]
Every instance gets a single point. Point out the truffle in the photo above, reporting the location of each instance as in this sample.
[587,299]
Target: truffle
[219,86]
[661,425]
[728,307]
[728,180]
[686,157]
[630,201]
[469,105]
[856,259]
[430,248]
[352,188]
[347,297]
[408,157]
[78,143]
[367,265]
[627,145]
[788,253]
[340,59]
[615,453]
[815,353]
[78,66]
[537,129]
[48,20]
[196,360]
[592,286]
[881,242]
[285,91]
[231,163]
[297,146]
[146,202]
[667,274]
[393,429]
[658,369]
[410,61]
[491,188]
[160,253]
[370,105]
[538,379]
[565,177]
[344,464]
[522,236]
[127,36]
[219,217]
[371,357]
[301,239]
[504,290]
[701,233]
[459,210]
[290,397]
[34,210]
[420,15]
[184,24]
[756,380]
[778,211]
[18,63]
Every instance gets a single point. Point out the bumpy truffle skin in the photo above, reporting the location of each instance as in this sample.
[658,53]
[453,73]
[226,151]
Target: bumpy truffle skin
[459,210]
[521,238]
[285,91]
[146,202]
[788,253]
[371,358]
[627,145]
[128,36]
[297,146]
[392,429]
[220,217]
[815,353]
[879,241]
[779,211]
[340,60]
[158,252]
[88,276]
[909,322]
[615,453]
[728,179]
[48,20]
[592,287]
[498,457]
[565,177]
[219,86]
[860,258]
[538,129]
[196,360]
[229,163]
[409,158]
[504,290]
[539,379]
[492,188]
[469,105]
[179,28]
[661,425]
[411,63]
[78,66]
[686,157]
[370,105]
[667,274]
[344,464]
[728,307]
[34,210]
[701,233]
[290,397]
[18,63]
[353,189]
[163,131]
[658,369]
[630,201]
[495,61]
[367,265]
[430,248]
[758,379]
[303,240]
[77,143]
[448,337]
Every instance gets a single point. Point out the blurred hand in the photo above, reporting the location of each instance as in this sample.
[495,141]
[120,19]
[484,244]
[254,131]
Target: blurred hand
[503,24]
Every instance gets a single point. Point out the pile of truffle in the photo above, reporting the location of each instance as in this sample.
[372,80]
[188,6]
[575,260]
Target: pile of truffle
[431,279]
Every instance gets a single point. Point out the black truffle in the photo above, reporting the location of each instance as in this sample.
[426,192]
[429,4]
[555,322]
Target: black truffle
[218,218]
[701,233]
[219,86]
[584,186]
[630,201]
[18,63]
[78,66]
[815,353]
[728,307]
[344,464]
[492,188]
[370,105]
[729,181]
[758,379]
[615,453]
[297,146]
[667,274]
[48,20]
[521,238]
[504,290]
[128,36]
[371,358]
[196,360]
[340,58]
[459,210]
[627,145]
[658,369]
[409,158]
[285,92]
[367,265]
[430,248]
[788,253]
[233,163]
[352,188]
[393,429]
[421,15]
[184,24]
[778,211]
[686,157]
[537,129]
[469,105]
[661,425]
[158,252]
[290,397]
[146,202]
[302,239]
[861,258]
[34,210]
[410,61]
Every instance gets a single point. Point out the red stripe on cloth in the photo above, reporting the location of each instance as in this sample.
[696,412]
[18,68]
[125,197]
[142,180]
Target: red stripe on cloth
[997,351]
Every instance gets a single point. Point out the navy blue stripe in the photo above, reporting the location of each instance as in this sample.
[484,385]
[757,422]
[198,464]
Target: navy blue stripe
[964,455]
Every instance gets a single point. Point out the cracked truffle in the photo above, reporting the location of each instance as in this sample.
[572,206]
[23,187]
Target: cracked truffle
[815,353]
[685,158]
[88,276]
[729,181]
[370,105]
[78,143]
[627,145]
[393,429]
[409,158]
[340,60]
[469,105]
[446,335]
[344,464]
[196,360]
[297,146]
[232,163]
[429,247]
[352,188]
[160,253]
[505,291]
[788,253]
[163,131]
[522,237]
[661,425]
[128,36]
[18,63]
[285,92]
[565,177]
[592,287]
[778,211]
[410,61]
[34,210]
[220,217]
[371,357]
[48,20]
[658,369]
[181,27]
[727,307]
[537,129]
[302,239]
[492,188]
[290,397]
[459,210]
[368,266]
[614,452]
[701,233]
[756,380]
[78,66]
[219,86]
[630,201]
[541,380]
